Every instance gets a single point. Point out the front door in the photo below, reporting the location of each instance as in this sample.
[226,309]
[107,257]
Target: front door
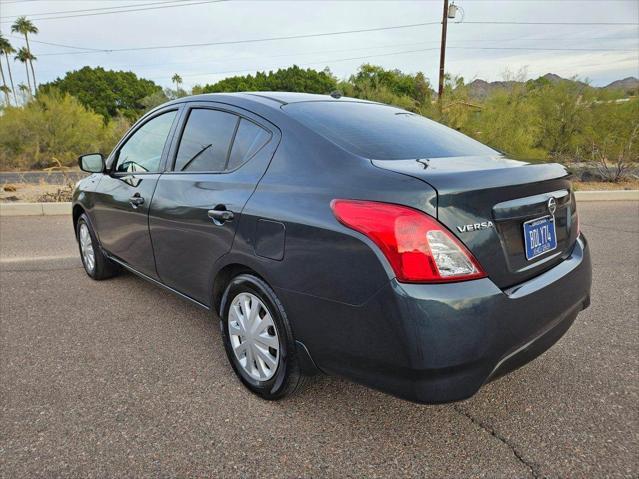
[221,155]
[124,195]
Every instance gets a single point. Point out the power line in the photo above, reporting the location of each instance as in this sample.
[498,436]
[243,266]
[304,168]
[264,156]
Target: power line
[372,47]
[253,40]
[31,40]
[544,23]
[151,66]
[125,11]
[31,15]
[421,50]
[363,57]
[542,49]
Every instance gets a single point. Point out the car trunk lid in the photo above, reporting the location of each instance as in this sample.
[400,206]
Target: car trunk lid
[485,202]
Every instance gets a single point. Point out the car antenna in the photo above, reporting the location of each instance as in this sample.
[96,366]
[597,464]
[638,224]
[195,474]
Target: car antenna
[336,94]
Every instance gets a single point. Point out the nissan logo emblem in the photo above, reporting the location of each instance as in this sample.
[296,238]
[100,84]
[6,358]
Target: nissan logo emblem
[552,205]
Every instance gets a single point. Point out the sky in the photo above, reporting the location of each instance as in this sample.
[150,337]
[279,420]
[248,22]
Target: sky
[598,52]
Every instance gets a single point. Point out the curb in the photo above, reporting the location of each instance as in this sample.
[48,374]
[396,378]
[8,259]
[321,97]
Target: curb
[605,195]
[35,209]
[50,209]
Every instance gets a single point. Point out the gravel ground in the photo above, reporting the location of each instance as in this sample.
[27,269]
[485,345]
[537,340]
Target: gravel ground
[122,379]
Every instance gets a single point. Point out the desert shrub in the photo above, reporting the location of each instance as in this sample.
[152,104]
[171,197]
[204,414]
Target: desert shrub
[54,126]
[509,121]
[612,131]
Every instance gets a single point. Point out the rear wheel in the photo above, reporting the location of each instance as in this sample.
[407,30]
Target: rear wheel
[95,263]
[258,338]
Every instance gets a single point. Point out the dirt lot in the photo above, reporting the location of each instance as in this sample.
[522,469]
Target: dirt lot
[34,193]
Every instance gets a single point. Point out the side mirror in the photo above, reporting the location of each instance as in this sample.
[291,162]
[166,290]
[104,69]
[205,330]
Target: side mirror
[92,163]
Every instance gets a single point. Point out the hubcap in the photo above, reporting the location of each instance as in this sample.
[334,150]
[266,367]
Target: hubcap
[253,337]
[86,246]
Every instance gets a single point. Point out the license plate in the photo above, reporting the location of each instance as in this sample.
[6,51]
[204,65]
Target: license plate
[539,236]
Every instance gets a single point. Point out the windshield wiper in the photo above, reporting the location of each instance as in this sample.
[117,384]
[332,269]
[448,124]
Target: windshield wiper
[196,155]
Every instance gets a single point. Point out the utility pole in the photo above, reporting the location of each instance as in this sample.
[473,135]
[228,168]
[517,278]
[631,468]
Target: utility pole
[442,56]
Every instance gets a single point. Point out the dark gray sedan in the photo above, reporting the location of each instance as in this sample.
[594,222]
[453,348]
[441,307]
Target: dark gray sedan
[340,236]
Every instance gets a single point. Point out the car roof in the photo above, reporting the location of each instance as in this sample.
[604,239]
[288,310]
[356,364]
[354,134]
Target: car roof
[277,98]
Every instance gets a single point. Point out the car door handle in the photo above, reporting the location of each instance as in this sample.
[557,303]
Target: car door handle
[136,200]
[220,216]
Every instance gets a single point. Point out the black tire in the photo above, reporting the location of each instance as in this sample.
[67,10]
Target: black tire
[103,268]
[288,377]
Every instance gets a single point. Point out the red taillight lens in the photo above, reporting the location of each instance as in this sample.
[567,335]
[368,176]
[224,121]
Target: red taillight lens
[418,247]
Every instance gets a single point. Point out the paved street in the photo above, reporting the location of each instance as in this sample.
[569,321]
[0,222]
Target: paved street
[122,379]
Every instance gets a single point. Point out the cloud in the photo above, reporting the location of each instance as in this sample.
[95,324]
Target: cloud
[241,20]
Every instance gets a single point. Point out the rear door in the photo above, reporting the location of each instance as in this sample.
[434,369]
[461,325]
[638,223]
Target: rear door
[220,154]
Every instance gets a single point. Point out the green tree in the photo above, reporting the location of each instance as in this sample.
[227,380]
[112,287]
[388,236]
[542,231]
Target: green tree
[611,129]
[294,79]
[6,49]
[375,83]
[458,110]
[509,121]
[23,56]
[564,109]
[109,93]
[154,99]
[25,27]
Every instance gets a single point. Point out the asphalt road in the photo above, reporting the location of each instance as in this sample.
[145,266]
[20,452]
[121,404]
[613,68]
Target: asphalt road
[122,379]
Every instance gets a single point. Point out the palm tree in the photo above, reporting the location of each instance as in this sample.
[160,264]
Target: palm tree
[177,79]
[4,88]
[7,49]
[25,26]
[23,57]
[25,92]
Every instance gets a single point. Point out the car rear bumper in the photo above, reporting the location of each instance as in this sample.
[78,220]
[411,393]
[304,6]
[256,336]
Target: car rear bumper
[442,342]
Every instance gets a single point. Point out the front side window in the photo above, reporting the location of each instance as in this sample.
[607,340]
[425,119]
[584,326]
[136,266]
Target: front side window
[142,152]
[205,143]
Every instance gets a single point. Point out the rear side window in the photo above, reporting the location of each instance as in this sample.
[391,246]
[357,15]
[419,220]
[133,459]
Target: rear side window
[249,139]
[382,132]
[206,140]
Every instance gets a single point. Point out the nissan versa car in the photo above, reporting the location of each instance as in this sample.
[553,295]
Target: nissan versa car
[341,236]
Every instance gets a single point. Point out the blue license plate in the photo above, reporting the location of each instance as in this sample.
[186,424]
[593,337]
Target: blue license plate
[539,236]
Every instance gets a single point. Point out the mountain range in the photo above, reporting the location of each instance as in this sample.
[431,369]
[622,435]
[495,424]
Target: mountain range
[480,89]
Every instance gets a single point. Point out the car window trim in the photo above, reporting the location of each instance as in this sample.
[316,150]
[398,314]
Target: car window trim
[136,127]
[232,143]
[170,170]
[179,137]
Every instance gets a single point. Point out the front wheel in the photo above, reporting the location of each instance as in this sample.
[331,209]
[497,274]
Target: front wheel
[258,338]
[95,263]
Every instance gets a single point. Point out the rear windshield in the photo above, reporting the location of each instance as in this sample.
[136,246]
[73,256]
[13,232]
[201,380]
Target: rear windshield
[382,132]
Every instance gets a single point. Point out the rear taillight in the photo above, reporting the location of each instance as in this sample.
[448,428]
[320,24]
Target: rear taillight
[418,247]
